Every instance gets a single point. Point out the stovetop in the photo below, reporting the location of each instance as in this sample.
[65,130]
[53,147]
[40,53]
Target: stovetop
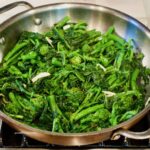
[9,138]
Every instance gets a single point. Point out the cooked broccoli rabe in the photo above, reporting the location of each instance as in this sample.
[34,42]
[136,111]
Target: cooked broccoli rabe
[72,79]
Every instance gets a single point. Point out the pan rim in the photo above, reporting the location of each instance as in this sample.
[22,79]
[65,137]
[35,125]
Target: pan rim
[125,16]
[3,116]
[33,10]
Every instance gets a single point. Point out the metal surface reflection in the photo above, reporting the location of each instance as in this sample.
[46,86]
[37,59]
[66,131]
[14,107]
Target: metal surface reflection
[97,17]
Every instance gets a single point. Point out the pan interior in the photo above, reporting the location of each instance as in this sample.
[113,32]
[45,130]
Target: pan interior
[99,18]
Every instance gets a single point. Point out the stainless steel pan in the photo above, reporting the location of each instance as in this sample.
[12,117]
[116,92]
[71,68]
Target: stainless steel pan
[39,19]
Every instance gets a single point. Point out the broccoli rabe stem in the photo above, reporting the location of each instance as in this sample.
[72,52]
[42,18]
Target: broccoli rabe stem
[86,111]
[12,97]
[55,109]
[16,49]
[63,22]
[134,78]
[57,114]
[12,60]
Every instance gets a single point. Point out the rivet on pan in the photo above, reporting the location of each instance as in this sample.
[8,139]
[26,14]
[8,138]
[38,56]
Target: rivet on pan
[37,21]
[2,40]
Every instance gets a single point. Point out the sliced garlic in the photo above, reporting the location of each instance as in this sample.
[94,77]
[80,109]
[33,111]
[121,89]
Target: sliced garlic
[24,85]
[40,75]
[147,102]
[109,93]
[66,27]
[101,66]
[49,41]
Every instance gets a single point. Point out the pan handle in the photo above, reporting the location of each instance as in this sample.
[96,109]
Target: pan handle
[15,4]
[131,134]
